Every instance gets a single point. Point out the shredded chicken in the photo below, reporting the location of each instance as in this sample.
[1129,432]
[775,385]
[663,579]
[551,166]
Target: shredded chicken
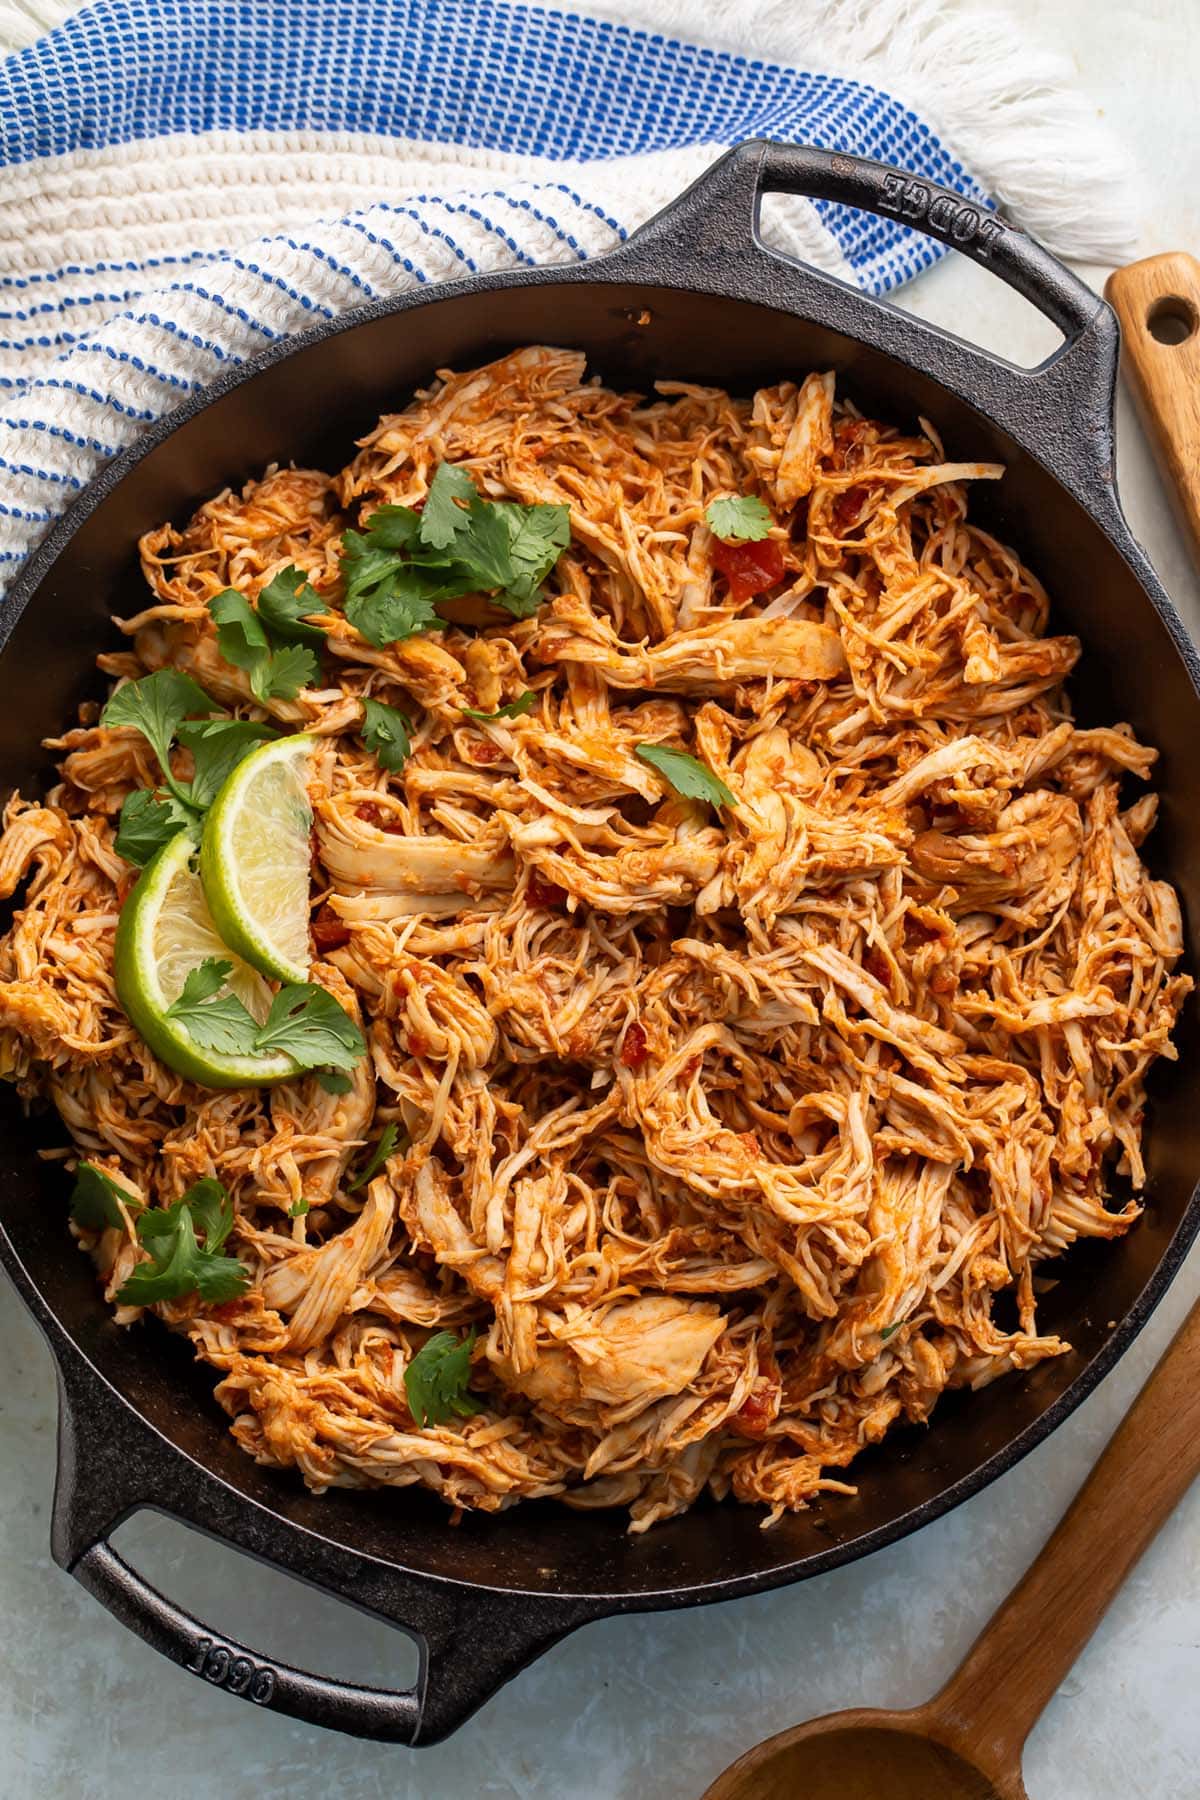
[725,1132]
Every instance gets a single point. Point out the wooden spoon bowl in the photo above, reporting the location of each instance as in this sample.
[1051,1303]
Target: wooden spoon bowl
[861,1755]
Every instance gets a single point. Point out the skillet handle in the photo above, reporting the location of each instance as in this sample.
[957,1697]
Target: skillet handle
[1061,412]
[388,1716]
[112,1463]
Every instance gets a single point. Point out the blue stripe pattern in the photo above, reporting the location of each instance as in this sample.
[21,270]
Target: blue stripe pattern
[480,73]
[91,352]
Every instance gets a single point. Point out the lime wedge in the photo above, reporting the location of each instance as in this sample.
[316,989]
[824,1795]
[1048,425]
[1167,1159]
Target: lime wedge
[166,931]
[256,858]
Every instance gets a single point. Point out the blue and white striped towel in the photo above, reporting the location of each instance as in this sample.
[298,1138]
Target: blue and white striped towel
[184,181]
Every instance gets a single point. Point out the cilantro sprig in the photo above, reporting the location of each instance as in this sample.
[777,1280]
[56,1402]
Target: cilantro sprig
[689,777]
[305,1021]
[511,710]
[276,672]
[386,733]
[738,519]
[148,821]
[333,1081]
[95,1199]
[179,1262]
[158,706]
[404,562]
[286,606]
[379,1155]
[436,1380]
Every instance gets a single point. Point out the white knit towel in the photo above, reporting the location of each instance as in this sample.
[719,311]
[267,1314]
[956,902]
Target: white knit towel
[184,181]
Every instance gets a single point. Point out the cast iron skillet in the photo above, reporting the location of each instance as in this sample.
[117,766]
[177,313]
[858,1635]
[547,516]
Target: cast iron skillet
[693,294]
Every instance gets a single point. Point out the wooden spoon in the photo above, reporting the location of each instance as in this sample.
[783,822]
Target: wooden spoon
[1158,303]
[965,1743]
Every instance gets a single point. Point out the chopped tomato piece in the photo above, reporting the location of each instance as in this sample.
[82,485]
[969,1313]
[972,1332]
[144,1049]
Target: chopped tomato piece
[544,893]
[920,932]
[633,1050]
[748,568]
[846,508]
[754,1414]
[328,931]
[877,964]
[761,1406]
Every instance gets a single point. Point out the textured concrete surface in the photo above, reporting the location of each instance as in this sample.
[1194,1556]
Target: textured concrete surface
[652,1708]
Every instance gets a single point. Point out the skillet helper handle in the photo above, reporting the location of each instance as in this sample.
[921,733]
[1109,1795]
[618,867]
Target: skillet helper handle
[1158,303]
[992,1702]
[388,1716]
[953,219]
[111,1464]
[1061,411]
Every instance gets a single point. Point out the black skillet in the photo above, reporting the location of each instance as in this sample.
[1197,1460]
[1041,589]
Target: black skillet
[694,294]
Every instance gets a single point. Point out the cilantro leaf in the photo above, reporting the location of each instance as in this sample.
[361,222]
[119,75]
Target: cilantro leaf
[378,1156]
[436,1380]
[385,732]
[512,710]
[217,746]
[210,1207]
[94,1199]
[223,1024]
[148,821]
[393,527]
[367,566]
[889,1331]
[284,606]
[156,706]
[202,982]
[179,1264]
[306,1023]
[537,537]
[298,1208]
[519,608]
[386,599]
[443,519]
[292,668]
[686,775]
[242,641]
[241,637]
[403,562]
[738,519]
[333,1081]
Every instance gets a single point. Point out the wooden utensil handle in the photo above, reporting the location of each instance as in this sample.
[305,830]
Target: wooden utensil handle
[991,1703]
[1158,304]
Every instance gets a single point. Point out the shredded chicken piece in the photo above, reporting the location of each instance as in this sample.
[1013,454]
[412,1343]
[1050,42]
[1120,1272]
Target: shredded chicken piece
[725,1131]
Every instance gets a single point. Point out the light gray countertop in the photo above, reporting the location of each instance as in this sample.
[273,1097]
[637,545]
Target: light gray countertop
[651,1708]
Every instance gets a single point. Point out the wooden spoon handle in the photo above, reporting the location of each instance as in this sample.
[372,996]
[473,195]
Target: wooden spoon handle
[1158,304]
[991,1703]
